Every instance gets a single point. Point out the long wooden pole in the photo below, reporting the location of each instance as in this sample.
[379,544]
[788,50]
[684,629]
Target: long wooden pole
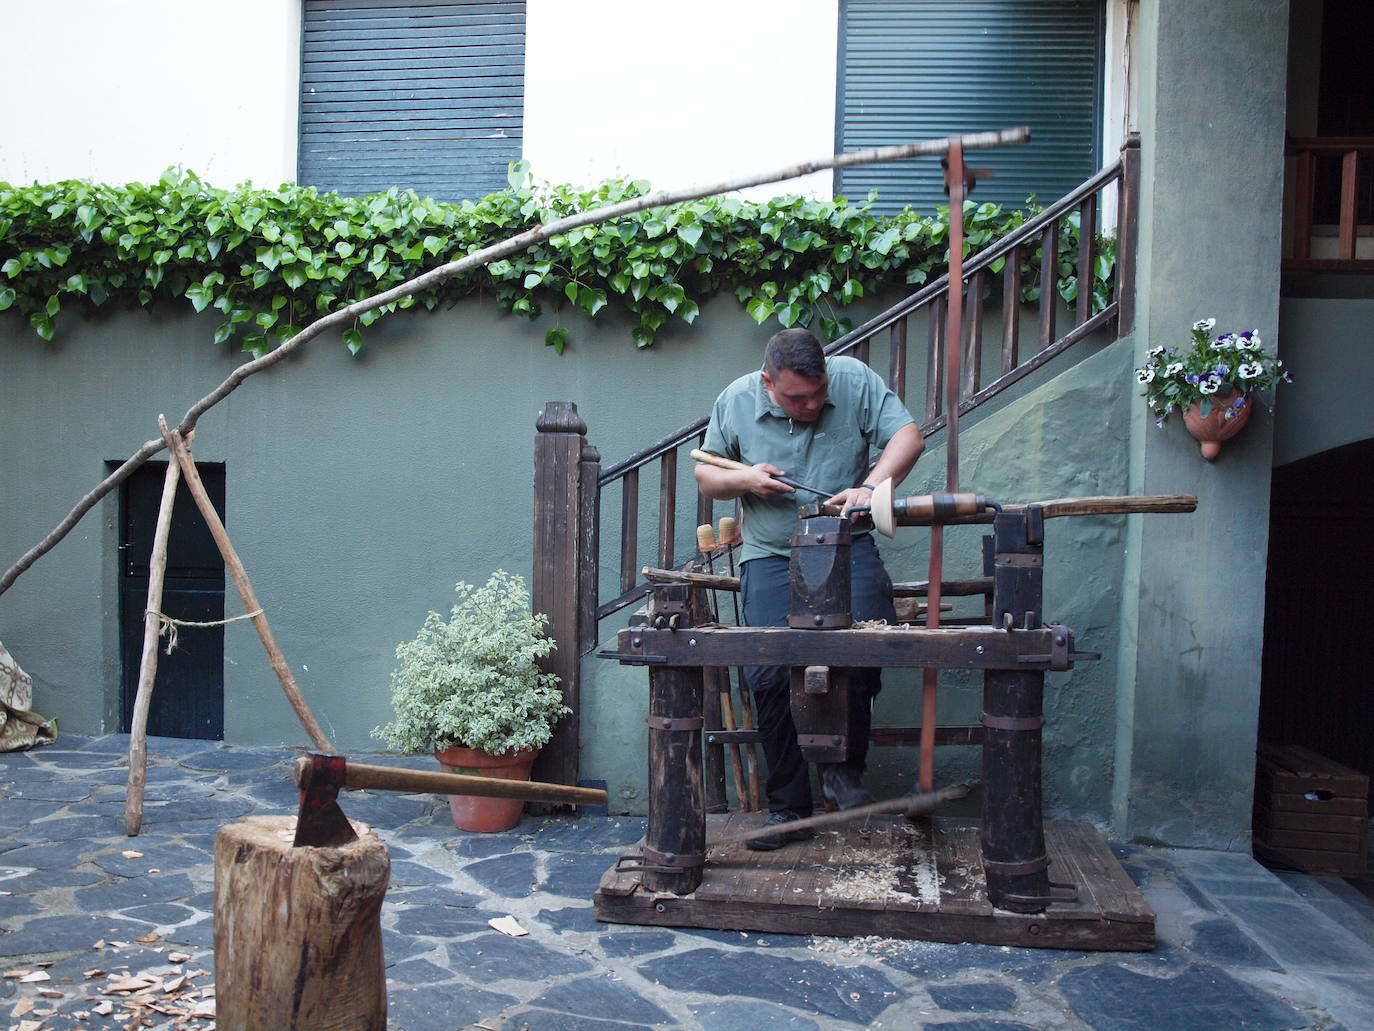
[514,245]
[147,667]
[240,577]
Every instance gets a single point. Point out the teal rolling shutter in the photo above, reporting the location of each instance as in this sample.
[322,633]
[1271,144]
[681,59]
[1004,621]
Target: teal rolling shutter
[920,69]
[411,94]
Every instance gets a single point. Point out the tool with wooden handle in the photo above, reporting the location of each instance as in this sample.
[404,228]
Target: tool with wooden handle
[706,458]
[322,823]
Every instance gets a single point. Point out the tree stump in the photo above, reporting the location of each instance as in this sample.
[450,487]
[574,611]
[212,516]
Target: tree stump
[298,933]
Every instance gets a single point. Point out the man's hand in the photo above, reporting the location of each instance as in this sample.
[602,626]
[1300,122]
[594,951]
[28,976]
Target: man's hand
[728,484]
[854,497]
[761,483]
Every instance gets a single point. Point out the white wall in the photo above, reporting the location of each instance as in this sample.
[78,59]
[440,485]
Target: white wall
[117,92]
[680,95]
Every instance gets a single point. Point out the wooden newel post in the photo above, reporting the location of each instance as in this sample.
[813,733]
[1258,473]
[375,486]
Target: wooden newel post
[298,932]
[565,471]
[1013,832]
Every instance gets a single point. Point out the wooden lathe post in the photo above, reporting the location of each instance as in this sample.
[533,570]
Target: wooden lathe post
[1013,833]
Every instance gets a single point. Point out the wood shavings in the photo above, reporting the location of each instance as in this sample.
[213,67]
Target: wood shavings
[886,871]
[507,925]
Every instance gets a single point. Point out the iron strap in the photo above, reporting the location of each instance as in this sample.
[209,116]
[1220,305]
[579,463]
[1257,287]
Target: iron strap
[1019,558]
[1016,869]
[1012,722]
[675,722]
[820,740]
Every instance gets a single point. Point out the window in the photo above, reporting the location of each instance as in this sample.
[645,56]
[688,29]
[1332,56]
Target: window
[401,93]
[919,69]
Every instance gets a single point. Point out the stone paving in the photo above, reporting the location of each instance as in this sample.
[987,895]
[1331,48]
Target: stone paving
[1239,946]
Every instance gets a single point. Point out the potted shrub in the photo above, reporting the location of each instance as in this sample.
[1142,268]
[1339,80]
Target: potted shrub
[1210,381]
[469,687]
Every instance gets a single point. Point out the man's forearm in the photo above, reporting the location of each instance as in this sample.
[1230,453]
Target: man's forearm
[899,457]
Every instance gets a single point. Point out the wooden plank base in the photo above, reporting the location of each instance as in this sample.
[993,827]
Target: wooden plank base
[890,878]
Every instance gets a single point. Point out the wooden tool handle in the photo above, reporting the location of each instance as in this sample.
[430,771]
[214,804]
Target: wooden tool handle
[729,530]
[707,458]
[1127,504]
[706,538]
[387,778]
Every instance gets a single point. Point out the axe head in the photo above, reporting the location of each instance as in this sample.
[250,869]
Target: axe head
[321,823]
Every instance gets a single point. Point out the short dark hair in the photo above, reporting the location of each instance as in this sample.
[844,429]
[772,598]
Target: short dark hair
[795,349]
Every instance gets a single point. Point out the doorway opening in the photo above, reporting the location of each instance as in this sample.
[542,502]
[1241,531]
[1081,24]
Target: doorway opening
[188,699]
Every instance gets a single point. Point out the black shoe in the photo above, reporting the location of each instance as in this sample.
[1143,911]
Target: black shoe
[773,842]
[842,785]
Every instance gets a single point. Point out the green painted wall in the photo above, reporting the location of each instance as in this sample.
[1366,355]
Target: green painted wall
[1329,345]
[359,489]
[1212,127]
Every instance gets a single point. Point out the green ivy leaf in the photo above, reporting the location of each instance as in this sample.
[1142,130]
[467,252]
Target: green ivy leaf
[557,338]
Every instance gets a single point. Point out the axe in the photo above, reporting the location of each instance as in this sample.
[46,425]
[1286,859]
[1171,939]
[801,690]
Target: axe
[321,823]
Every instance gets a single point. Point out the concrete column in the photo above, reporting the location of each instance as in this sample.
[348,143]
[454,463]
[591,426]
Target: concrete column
[1211,116]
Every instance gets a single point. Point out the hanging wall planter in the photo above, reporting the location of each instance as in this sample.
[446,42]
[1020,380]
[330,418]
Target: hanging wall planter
[1225,419]
[1211,381]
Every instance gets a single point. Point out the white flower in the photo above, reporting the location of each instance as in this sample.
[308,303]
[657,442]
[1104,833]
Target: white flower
[1228,340]
[1205,325]
[1249,370]
[1145,375]
[1209,385]
[1174,369]
[1155,352]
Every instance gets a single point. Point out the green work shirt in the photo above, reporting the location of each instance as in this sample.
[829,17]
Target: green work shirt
[860,414]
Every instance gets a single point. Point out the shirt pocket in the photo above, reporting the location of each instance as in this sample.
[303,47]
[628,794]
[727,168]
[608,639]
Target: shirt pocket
[838,458]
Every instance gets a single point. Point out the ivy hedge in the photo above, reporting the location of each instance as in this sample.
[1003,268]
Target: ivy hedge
[272,261]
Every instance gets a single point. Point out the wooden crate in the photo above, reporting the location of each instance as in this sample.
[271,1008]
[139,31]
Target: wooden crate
[1310,813]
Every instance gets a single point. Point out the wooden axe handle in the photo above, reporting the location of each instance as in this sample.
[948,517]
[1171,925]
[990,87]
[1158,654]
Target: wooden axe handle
[387,778]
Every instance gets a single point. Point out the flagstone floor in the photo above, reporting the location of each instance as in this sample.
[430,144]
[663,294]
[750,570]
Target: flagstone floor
[98,929]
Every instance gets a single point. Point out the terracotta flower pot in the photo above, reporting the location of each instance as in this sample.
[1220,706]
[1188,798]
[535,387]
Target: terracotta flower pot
[1212,430]
[474,812]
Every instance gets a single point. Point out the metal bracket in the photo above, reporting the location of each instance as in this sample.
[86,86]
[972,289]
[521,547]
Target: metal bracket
[1059,657]
[1041,862]
[659,862]
[1012,722]
[631,659]
[675,722]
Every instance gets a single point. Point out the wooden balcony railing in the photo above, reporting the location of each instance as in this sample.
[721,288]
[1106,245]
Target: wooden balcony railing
[1333,188]
[571,489]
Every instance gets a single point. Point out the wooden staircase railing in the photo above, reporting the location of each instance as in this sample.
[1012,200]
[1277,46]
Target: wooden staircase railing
[1326,183]
[570,485]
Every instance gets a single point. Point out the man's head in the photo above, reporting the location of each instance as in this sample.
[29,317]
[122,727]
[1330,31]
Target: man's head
[794,374]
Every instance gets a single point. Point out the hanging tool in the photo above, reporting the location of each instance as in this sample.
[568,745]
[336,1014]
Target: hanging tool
[322,823]
[707,458]
[706,544]
[727,537]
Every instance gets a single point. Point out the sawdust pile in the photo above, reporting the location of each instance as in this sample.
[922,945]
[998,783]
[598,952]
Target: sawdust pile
[902,869]
[165,996]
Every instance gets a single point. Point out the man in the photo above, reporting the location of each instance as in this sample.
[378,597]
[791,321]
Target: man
[814,420]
